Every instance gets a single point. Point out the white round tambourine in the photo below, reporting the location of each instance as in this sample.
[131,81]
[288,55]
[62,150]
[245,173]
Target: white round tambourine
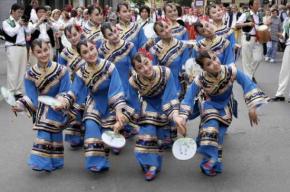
[8,96]
[113,139]
[50,101]
[184,148]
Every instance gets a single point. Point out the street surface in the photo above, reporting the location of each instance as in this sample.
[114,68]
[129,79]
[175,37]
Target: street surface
[256,158]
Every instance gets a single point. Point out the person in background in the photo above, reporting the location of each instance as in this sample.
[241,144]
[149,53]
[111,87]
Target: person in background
[55,19]
[113,18]
[284,75]
[79,17]
[43,29]
[211,41]
[266,21]
[171,14]
[33,16]
[282,13]
[14,29]
[144,16]
[252,50]
[275,26]
[129,31]
[85,18]
[233,18]
[215,13]
[92,29]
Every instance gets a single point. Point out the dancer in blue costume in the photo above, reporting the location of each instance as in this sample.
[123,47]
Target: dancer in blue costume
[171,53]
[103,108]
[92,29]
[120,53]
[216,13]
[52,79]
[218,44]
[152,104]
[213,88]
[129,31]
[71,58]
[178,31]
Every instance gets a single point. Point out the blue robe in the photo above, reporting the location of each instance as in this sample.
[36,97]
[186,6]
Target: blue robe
[105,96]
[220,46]
[173,56]
[179,32]
[151,104]
[121,56]
[132,33]
[227,33]
[74,133]
[93,33]
[217,107]
[47,152]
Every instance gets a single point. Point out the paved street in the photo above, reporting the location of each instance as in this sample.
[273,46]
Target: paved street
[256,159]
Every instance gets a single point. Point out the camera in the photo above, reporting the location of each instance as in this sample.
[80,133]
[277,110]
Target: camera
[25,19]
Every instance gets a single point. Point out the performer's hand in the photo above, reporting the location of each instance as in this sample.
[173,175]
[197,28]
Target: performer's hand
[17,108]
[117,127]
[253,116]
[181,124]
[62,105]
[121,118]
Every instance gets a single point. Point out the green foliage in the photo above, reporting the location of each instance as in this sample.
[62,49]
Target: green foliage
[186,3]
[138,2]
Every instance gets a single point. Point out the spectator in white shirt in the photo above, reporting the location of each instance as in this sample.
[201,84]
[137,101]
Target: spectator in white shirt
[44,29]
[14,29]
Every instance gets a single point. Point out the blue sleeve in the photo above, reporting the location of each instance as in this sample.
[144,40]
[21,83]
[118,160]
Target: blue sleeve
[31,92]
[61,60]
[246,83]
[77,85]
[185,36]
[133,107]
[101,53]
[188,105]
[228,56]
[133,100]
[131,55]
[99,43]
[116,95]
[170,100]
[232,40]
[254,97]
[185,56]
[133,52]
[65,83]
[142,39]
